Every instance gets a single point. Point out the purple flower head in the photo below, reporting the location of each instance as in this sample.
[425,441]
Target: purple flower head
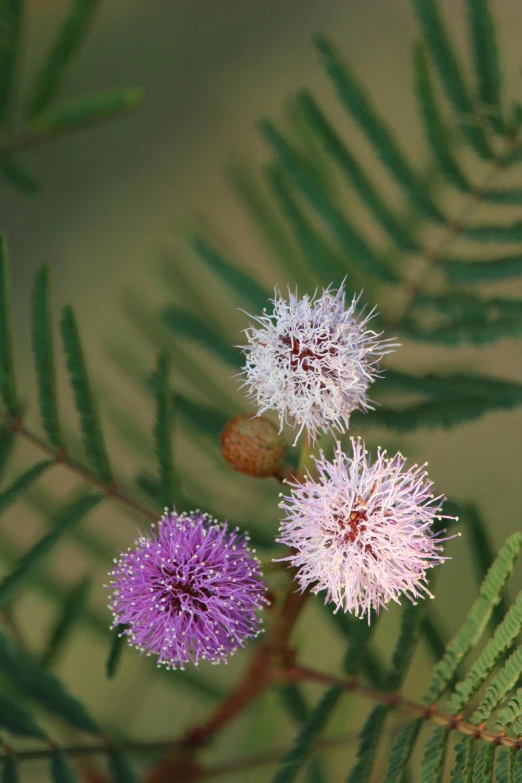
[362,531]
[188,591]
[313,360]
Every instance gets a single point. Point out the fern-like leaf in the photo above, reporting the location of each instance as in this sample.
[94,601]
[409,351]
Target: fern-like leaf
[450,386]
[434,414]
[73,607]
[168,485]
[190,326]
[504,764]
[477,618]
[8,392]
[462,770]
[44,357]
[486,60]
[120,768]
[507,716]
[517,769]
[10,769]
[70,517]
[60,769]
[432,764]
[83,112]
[11,18]
[116,651]
[16,718]
[459,270]
[208,421]
[39,685]
[483,767]
[401,751]
[53,71]
[22,483]
[368,745]
[500,686]
[84,398]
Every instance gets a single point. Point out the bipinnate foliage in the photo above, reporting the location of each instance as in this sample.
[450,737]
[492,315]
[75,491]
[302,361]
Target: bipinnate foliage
[467,725]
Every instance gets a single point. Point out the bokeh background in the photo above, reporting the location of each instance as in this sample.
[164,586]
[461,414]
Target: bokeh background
[120,197]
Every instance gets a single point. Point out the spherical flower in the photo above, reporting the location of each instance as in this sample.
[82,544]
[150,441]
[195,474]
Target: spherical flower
[362,531]
[188,591]
[252,445]
[313,360]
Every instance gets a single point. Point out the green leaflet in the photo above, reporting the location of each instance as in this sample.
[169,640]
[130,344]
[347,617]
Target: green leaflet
[8,392]
[483,767]
[60,769]
[296,757]
[69,39]
[434,129]
[11,18]
[190,326]
[368,745]
[504,764]
[22,483]
[325,261]
[486,60]
[432,415]
[86,404]
[70,517]
[349,165]
[401,751]
[117,647]
[477,618]
[208,421]
[69,616]
[294,701]
[83,112]
[120,768]
[237,279]
[463,767]
[507,716]
[503,682]
[451,75]
[10,769]
[272,230]
[44,357]
[358,104]
[448,386]
[432,764]
[358,251]
[7,443]
[169,489]
[16,718]
[498,268]
[494,232]
[17,175]
[412,618]
[517,769]
[40,686]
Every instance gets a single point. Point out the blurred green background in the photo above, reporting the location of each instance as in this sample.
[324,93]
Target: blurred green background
[120,196]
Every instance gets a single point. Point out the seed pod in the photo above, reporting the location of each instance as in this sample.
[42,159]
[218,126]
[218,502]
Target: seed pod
[252,445]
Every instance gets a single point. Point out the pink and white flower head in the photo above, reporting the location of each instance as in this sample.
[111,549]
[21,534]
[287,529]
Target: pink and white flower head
[362,531]
[313,360]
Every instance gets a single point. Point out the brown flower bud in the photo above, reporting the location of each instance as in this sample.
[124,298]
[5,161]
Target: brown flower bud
[252,445]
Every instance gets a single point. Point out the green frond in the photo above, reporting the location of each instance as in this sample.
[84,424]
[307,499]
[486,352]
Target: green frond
[372,666]
[504,764]
[83,112]
[169,489]
[493,232]
[8,392]
[239,281]
[359,106]
[54,68]
[517,769]
[22,483]
[17,719]
[435,131]
[412,618]
[116,651]
[433,636]
[17,174]
[42,687]
[368,745]
[486,60]
[44,357]
[501,685]
[477,618]
[447,386]
[10,769]
[11,19]
[463,767]
[326,263]
[60,769]
[432,764]
[360,256]
[208,421]
[351,168]
[72,609]
[483,767]
[507,716]
[86,404]
[190,326]
[120,769]
[469,272]
[358,646]
[430,415]
[68,519]
[295,703]
[296,757]
[7,443]
[401,751]
[451,75]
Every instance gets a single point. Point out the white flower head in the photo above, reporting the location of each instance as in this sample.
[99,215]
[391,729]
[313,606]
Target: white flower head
[312,360]
[362,531]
